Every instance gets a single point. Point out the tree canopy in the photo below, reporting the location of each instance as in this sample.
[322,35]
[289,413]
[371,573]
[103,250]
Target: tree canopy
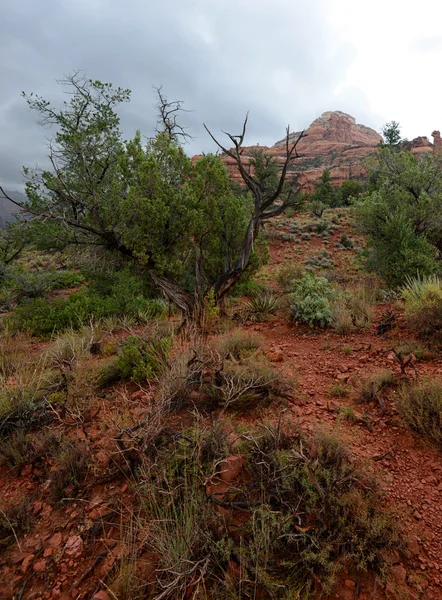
[402,216]
[180,219]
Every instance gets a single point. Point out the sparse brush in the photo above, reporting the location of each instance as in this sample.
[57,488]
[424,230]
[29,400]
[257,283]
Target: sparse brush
[339,390]
[423,306]
[249,385]
[71,468]
[261,305]
[15,519]
[239,344]
[352,310]
[22,402]
[420,405]
[374,385]
[287,274]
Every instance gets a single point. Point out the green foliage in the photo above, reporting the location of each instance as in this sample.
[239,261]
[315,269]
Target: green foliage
[141,359]
[178,220]
[21,284]
[350,189]
[325,194]
[423,306]
[401,215]
[392,133]
[121,294]
[420,405]
[311,300]
[312,513]
[261,305]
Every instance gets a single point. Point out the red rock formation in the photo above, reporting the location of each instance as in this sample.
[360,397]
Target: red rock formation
[334,141]
[437,141]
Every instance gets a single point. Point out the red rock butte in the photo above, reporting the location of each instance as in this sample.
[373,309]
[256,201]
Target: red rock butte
[333,141]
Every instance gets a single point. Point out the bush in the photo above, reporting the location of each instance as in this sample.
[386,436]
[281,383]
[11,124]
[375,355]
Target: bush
[374,385]
[420,405]
[141,359]
[310,514]
[261,305]
[239,344]
[396,252]
[21,285]
[352,310]
[311,300]
[321,260]
[287,274]
[423,306]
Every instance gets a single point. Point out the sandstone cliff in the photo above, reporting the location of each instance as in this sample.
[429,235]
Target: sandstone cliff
[333,141]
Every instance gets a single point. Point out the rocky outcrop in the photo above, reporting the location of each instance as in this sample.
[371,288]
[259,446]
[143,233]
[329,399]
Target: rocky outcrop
[333,141]
[437,141]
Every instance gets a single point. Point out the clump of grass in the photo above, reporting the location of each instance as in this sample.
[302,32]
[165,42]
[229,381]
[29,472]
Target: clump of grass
[239,344]
[287,274]
[307,512]
[15,519]
[373,386]
[423,306]
[352,310]
[347,350]
[339,390]
[406,347]
[420,405]
[72,467]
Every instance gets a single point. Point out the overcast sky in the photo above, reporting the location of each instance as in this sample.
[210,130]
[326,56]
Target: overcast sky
[286,61]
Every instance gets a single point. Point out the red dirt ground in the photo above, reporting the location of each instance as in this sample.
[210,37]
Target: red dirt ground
[70,550]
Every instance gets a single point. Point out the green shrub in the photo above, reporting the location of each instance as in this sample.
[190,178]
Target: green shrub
[311,300]
[311,514]
[239,343]
[141,359]
[261,305]
[287,274]
[420,405]
[423,306]
[321,260]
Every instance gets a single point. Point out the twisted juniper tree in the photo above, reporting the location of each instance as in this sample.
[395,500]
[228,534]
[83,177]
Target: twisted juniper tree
[179,219]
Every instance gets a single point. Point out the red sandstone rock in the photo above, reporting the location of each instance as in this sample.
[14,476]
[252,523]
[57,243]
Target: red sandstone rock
[40,566]
[334,141]
[101,595]
[231,467]
[26,563]
[74,546]
[56,540]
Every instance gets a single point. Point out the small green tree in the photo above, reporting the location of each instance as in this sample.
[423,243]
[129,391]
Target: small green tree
[392,133]
[178,219]
[402,216]
[349,189]
[325,195]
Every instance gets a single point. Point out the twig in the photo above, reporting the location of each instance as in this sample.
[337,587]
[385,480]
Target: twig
[93,565]
[381,456]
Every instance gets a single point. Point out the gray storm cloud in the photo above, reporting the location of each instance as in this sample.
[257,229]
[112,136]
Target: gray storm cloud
[279,59]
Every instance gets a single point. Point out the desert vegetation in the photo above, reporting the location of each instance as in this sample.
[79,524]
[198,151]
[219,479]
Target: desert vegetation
[211,389]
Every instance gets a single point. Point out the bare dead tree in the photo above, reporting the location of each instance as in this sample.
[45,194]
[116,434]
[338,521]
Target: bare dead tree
[265,204]
[168,113]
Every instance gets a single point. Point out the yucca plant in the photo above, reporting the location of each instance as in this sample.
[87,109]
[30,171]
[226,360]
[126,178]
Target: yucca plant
[423,305]
[260,305]
[414,287]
